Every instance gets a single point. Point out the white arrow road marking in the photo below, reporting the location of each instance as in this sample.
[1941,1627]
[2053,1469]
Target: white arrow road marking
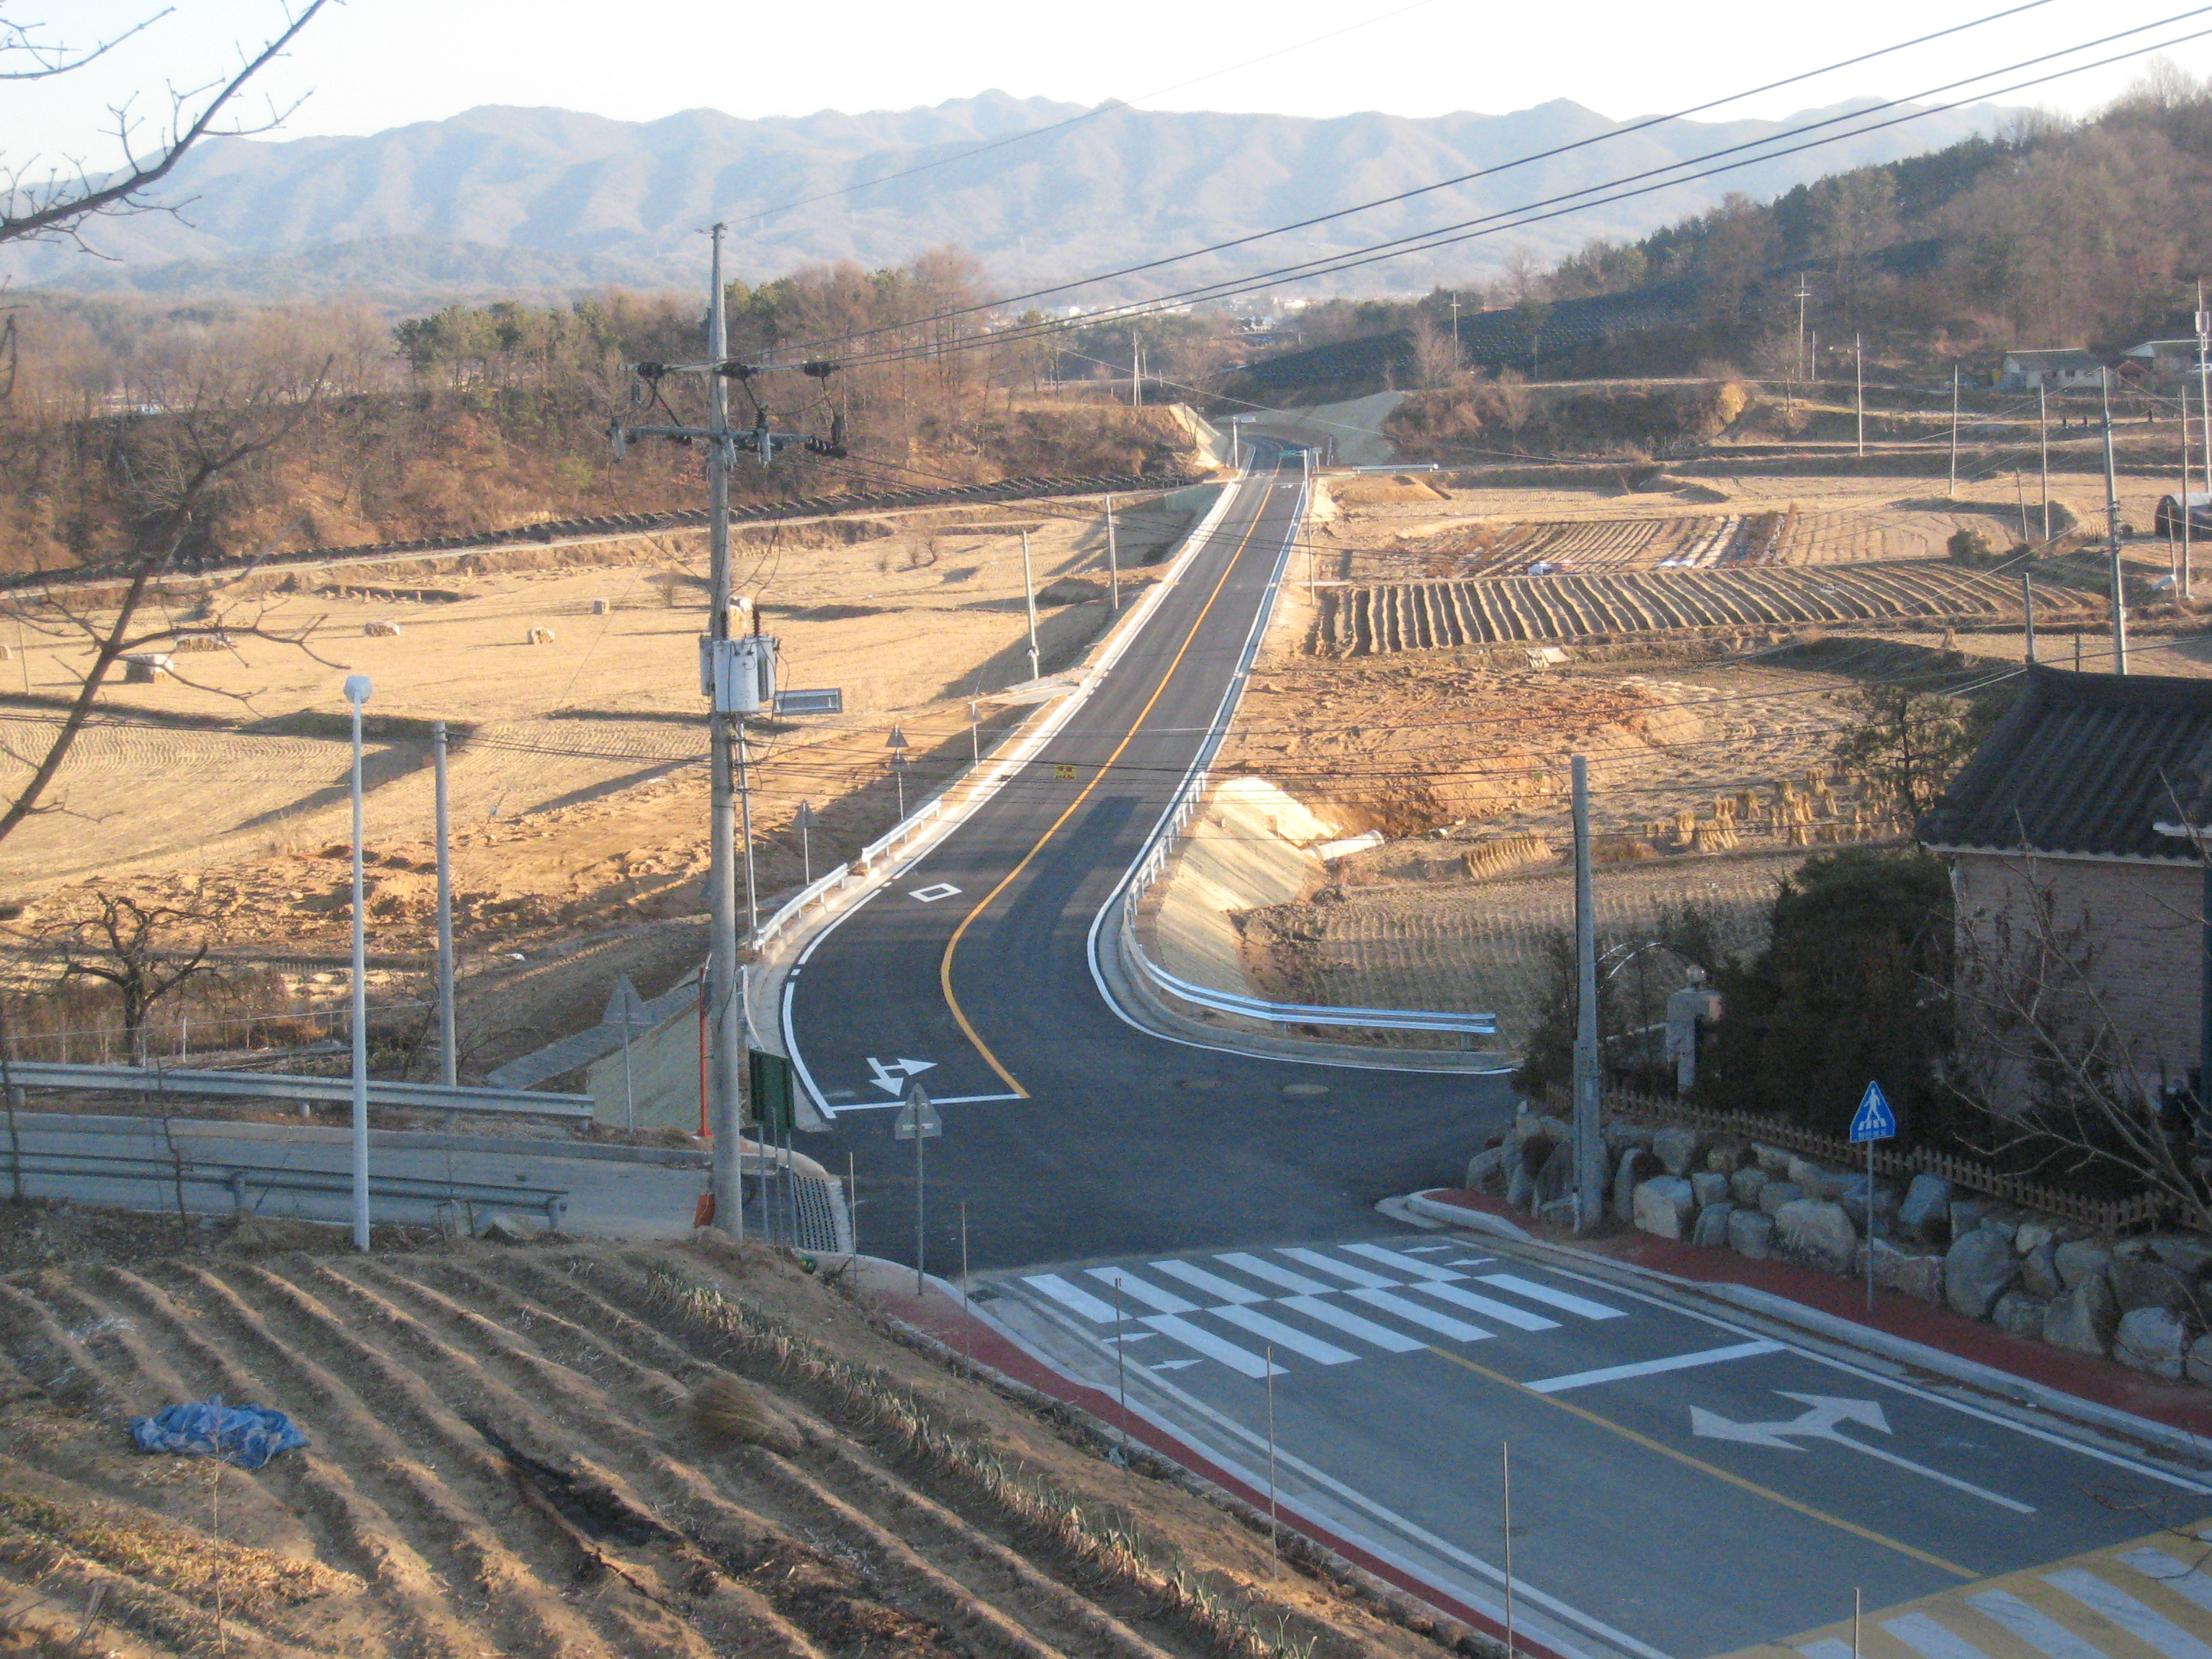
[1819,1422]
[1170,1364]
[892,1078]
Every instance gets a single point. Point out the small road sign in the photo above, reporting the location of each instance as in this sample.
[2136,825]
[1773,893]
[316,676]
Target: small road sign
[626,1010]
[917,1117]
[1064,772]
[1874,1120]
[827,701]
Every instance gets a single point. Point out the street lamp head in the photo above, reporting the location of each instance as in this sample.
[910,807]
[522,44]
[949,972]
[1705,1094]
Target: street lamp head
[357,689]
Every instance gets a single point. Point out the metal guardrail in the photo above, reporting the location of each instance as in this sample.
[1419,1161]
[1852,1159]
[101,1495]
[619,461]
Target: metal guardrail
[238,1179]
[291,1086]
[820,889]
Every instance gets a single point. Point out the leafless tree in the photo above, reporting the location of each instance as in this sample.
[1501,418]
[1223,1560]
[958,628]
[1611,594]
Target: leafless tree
[1435,362]
[50,202]
[122,944]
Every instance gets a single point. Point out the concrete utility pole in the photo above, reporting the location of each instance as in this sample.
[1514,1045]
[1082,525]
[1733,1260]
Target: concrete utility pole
[2112,538]
[2043,443]
[1858,375]
[448,1061]
[2181,574]
[1803,294]
[2203,401]
[1456,363]
[1590,1138]
[1954,431]
[726,1058]
[357,690]
[1114,558]
[1028,593]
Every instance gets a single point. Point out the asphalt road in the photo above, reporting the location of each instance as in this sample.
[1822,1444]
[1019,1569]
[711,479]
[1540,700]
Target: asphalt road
[1681,1485]
[1068,1132]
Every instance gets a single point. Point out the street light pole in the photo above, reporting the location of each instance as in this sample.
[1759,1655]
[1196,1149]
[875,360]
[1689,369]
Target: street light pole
[357,690]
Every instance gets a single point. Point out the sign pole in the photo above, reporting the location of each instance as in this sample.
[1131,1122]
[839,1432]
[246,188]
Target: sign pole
[917,1120]
[1873,1121]
[1870,1226]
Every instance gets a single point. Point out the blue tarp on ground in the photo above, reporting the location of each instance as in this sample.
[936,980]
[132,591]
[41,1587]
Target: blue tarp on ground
[248,1435]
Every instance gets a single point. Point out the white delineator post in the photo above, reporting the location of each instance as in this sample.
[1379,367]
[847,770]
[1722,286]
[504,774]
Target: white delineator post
[1589,1135]
[448,1061]
[357,690]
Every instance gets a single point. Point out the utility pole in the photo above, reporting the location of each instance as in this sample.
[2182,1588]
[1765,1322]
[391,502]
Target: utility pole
[2043,443]
[2204,406]
[2028,610]
[804,819]
[2181,576]
[2112,538]
[1455,304]
[1954,489]
[1114,555]
[357,691]
[1028,593]
[727,1060]
[1136,375]
[1803,294]
[448,1061]
[1589,1137]
[1858,374]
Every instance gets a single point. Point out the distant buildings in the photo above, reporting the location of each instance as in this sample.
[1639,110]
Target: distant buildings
[2058,369]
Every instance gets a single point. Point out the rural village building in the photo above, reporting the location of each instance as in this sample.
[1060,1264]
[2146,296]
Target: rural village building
[2076,802]
[2165,360]
[2058,369]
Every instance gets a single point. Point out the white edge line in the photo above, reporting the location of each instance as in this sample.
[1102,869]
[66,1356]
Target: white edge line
[1254,1481]
[1005,765]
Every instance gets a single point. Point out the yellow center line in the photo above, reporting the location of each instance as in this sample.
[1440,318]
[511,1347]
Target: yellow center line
[945,963]
[1713,1470]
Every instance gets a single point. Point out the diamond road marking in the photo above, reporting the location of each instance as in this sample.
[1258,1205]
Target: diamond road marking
[943,889]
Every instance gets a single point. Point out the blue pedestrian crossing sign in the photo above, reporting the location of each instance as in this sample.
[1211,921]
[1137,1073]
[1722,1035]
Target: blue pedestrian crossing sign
[1875,1121]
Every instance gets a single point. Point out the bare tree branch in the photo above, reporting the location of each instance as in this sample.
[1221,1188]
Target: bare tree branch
[48,61]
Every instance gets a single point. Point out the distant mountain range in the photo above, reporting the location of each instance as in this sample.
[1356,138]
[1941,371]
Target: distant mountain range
[547,200]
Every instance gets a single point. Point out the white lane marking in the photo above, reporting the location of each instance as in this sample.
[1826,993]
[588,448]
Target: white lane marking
[934,1100]
[1680,1362]
[2129,1615]
[1536,1292]
[1151,1296]
[1286,1336]
[1930,1639]
[1504,1313]
[2036,1628]
[1343,1270]
[1205,1342]
[943,889]
[1211,1284]
[1828,1648]
[1428,1250]
[1404,1264]
[2188,1582]
[1072,1296]
[1444,1324]
[1269,1272]
[1352,1324]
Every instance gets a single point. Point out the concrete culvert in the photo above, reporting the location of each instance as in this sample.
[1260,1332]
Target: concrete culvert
[724,1409]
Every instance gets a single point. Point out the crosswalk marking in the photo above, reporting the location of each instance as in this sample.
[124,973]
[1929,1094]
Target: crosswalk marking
[1213,1284]
[2129,1615]
[1286,1336]
[1136,1290]
[1442,1324]
[1198,1341]
[1557,1298]
[1272,1274]
[1072,1296]
[1505,1315]
[1343,1270]
[1926,1638]
[2186,1582]
[1328,1312]
[1828,1648]
[2033,1626]
[1404,1264]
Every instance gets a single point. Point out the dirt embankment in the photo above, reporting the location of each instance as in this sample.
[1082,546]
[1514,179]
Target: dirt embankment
[1626,417]
[583,1452]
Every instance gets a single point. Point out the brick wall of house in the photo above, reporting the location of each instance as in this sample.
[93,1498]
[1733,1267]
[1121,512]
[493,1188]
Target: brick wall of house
[2138,926]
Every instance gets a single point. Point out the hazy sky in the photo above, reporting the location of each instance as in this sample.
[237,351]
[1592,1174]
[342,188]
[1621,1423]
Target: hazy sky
[369,64]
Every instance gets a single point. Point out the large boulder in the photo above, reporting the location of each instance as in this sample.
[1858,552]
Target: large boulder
[2185,1253]
[1751,1234]
[1977,1269]
[1925,1213]
[1915,1272]
[1744,1184]
[1555,1176]
[2083,1319]
[2196,1364]
[1678,1148]
[1486,1170]
[1818,1179]
[2140,1281]
[1665,1205]
[2034,1234]
[1817,1234]
[2039,1270]
[1637,1166]
[1966,1214]
[1772,1159]
[2151,1340]
[1727,1155]
[2019,1312]
[1853,1197]
[1776,1193]
[1711,1187]
[2079,1258]
[1712,1225]
[1620,1135]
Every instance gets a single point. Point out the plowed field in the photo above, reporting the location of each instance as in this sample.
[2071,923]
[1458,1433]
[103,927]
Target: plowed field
[501,1462]
[1362,620]
[1647,542]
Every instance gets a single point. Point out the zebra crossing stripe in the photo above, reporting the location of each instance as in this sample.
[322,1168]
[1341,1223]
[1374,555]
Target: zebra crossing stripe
[2153,1628]
[1211,1284]
[2033,1626]
[1557,1298]
[1520,1318]
[1404,1264]
[1136,1290]
[1343,1270]
[2188,1582]
[1286,1336]
[1927,1638]
[1182,1330]
[1442,1324]
[1328,1312]
[1267,1272]
[1072,1297]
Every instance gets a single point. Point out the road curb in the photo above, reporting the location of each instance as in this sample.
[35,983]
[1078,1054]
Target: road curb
[1820,1326]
